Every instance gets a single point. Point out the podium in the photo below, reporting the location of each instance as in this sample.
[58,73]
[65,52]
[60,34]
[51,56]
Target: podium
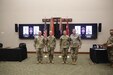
[98,55]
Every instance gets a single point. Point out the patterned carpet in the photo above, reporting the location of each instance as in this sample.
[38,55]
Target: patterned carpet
[29,67]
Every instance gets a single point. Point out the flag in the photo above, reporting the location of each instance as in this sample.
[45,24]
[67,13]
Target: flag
[60,26]
[52,25]
[45,29]
[67,28]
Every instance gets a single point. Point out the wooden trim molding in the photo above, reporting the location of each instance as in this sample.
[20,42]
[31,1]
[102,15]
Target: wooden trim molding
[59,52]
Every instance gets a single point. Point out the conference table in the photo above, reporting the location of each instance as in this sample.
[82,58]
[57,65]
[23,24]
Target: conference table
[98,55]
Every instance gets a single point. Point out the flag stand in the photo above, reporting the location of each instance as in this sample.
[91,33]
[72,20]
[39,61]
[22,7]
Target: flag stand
[52,20]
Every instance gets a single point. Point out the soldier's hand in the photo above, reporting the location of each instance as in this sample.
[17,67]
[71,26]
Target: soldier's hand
[104,44]
[79,47]
[110,45]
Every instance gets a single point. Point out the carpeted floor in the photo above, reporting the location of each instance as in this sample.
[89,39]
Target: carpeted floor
[29,67]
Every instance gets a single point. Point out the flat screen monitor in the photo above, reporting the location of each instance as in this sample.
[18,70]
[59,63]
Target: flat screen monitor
[28,31]
[86,31]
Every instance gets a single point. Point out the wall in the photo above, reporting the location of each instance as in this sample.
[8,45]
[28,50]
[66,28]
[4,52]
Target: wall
[32,11]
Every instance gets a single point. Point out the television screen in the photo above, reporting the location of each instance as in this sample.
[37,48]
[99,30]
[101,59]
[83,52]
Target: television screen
[86,31]
[28,31]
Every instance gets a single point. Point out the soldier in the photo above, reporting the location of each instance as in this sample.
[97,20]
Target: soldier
[75,44]
[51,44]
[109,45]
[64,46]
[39,45]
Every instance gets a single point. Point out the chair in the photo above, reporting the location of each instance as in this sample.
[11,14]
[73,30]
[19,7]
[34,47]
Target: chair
[1,45]
[24,52]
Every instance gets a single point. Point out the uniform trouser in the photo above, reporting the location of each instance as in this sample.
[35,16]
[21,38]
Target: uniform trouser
[74,53]
[64,54]
[39,52]
[51,53]
[110,54]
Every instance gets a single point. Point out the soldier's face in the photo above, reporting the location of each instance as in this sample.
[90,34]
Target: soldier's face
[74,31]
[111,32]
[64,32]
[50,33]
[39,33]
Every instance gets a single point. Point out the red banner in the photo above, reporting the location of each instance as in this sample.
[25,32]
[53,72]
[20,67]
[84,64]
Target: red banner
[67,28]
[60,26]
[52,25]
[45,29]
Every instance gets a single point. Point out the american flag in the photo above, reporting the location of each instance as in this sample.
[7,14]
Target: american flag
[67,28]
[45,29]
[60,26]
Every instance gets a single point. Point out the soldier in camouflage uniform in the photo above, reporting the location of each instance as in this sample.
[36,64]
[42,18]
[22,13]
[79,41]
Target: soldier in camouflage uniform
[75,44]
[39,45]
[64,46]
[109,45]
[51,44]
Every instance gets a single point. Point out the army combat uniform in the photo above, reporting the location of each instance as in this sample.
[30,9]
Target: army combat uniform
[110,49]
[51,44]
[75,43]
[64,46]
[39,45]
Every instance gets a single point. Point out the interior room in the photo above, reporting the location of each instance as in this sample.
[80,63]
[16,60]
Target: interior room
[18,54]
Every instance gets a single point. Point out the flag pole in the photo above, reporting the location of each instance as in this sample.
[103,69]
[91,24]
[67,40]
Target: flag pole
[60,27]
[67,27]
[45,37]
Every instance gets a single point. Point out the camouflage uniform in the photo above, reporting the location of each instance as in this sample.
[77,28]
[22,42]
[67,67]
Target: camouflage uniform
[39,45]
[75,43]
[110,49]
[51,44]
[64,46]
